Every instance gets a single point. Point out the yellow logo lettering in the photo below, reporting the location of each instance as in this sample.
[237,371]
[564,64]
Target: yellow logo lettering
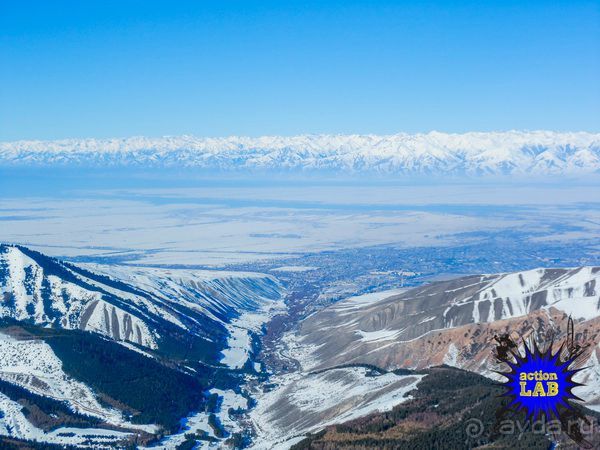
[538,391]
[552,389]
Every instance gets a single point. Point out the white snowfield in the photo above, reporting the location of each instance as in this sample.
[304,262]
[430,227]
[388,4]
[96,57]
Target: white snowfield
[510,152]
[33,365]
[304,402]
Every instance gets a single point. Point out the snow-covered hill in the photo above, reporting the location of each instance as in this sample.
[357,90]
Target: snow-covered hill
[307,402]
[477,153]
[147,307]
[94,355]
[454,322]
[33,365]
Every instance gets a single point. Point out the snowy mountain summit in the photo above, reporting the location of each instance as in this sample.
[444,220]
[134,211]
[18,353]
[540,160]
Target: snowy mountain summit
[477,153]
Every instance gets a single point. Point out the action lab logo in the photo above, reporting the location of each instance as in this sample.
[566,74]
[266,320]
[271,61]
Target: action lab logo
[540,382]
[551,380]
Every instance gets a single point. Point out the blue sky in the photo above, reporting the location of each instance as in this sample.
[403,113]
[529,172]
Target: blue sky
[121,68]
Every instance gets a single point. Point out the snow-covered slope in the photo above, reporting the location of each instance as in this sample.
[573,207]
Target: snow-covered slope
[13,423]
[454,322]
[307,402]
[33,365]
[379,321]
[57,324]
[512,152]
[241,301]
[140,306]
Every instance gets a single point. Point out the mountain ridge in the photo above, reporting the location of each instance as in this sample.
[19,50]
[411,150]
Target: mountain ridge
[454,322]
[132,353]
[474,153]
[148,308]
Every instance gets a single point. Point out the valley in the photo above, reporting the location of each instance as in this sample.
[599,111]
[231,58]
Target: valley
[275,225]
[251,349]
[217,318]
[399,333]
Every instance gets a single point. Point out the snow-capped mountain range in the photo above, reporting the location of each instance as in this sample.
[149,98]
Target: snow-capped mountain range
[475,153]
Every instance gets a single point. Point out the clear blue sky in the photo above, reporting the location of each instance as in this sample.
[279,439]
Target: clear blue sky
[120,68]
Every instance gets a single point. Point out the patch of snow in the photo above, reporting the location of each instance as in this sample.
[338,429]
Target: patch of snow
[239,342]
[361,301]
[451,357]
[329,397]
[195,423]
[13,423]
[294,269]
[379,335]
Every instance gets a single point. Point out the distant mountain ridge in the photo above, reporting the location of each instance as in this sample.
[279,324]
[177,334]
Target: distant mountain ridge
[475,153]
